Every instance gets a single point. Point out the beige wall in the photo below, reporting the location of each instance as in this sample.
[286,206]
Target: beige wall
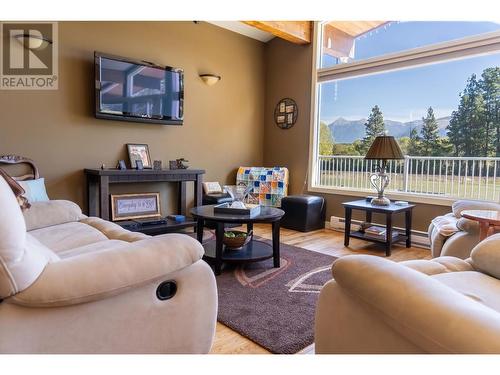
[288,74]
[226,125]
[223,123]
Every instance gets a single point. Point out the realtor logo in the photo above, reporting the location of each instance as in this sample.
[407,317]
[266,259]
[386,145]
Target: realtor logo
[29,56]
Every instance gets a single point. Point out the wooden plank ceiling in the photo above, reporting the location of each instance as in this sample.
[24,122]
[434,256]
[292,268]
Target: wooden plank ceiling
[300,32]
[356,28]
[339,37]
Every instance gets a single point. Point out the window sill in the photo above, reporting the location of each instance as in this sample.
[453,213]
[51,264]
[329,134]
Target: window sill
[414,198]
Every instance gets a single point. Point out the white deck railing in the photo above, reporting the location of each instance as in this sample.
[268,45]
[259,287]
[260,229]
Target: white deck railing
[452,177]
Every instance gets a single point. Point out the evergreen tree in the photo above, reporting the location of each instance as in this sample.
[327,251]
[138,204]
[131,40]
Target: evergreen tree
[374,127]
[404,142]
[467,130]
[414,143]
[445,147]
[476,141]
[429,144]
[490,86]
[455,130]
[325,140]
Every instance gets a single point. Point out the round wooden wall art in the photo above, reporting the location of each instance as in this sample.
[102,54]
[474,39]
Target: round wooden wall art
[285,113]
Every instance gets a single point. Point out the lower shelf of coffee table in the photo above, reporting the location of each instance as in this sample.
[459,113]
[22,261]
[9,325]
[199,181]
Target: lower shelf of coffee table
[254,251]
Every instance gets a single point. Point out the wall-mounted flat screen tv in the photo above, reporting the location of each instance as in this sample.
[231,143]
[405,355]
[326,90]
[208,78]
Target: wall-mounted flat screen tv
[139,91]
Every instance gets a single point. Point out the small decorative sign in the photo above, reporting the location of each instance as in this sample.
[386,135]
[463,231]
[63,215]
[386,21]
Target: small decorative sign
[285,113]
[135,206]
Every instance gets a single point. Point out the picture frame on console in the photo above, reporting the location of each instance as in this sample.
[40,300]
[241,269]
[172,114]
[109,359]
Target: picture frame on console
[121,165]
[137,151]
[135,206]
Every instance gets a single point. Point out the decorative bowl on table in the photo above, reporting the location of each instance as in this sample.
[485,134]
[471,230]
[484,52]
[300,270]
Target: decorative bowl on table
[236,239]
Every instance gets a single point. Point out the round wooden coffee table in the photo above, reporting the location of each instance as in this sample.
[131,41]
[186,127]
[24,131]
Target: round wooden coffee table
[487,219]
[254,251]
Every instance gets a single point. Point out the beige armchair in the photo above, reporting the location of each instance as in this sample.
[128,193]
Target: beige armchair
[461,243]
[444,305]
[74,284]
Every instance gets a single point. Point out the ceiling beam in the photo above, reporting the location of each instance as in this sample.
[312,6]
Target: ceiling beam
[298,32]
[337,43]
[356,28]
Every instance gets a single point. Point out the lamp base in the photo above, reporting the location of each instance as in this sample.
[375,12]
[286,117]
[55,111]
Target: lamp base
[381,201]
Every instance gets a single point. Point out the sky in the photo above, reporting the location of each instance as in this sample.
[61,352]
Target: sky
[405,95]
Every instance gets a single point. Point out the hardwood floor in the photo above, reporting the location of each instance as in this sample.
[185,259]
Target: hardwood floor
[324,241]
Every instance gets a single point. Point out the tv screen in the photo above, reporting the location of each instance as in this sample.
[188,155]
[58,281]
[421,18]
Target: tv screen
[139,91]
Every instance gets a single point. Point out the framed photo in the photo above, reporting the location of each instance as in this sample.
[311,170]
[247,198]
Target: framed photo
[286,113]
[157,165]
[135,206]
[139,152]
[121,165]
[172,164]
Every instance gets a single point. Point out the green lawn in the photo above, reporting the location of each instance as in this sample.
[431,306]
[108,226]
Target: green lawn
[472,187]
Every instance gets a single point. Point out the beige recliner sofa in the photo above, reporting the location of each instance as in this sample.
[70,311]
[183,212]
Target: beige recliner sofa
[76,284]
[460,243]
[444,305]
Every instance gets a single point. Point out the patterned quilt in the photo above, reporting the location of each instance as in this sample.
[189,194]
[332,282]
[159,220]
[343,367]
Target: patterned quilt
[269,184]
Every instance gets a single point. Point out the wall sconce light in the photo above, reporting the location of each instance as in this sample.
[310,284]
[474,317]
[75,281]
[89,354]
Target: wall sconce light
[34,40]
[210,79]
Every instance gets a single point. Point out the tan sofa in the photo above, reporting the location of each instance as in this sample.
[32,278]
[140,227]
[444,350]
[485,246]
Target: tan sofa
[444,305]
[461,243]
[76,284]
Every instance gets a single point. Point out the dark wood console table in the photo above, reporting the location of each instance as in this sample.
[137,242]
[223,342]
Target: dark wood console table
[98,181]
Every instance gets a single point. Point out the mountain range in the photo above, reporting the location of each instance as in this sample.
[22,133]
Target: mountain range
[347,131]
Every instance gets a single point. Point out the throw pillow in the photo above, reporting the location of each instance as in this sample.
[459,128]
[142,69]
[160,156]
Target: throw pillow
[16,189]
[35,190]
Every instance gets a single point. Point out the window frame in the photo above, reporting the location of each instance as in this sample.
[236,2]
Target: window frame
[477,45]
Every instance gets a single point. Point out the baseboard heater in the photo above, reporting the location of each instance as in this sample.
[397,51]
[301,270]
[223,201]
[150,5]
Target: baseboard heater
[418,238]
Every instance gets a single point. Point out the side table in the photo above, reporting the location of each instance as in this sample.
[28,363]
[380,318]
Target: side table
[487,220]
[391,236]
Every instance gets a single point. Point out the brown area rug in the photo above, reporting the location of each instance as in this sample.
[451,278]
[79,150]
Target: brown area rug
[274,307]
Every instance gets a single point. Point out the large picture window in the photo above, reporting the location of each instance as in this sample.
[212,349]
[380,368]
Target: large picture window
[440,101]
[345,42]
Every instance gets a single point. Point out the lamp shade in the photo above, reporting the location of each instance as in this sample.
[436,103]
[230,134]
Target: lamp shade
[384,147]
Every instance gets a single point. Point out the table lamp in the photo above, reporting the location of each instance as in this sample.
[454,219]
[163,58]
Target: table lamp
[383,148]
